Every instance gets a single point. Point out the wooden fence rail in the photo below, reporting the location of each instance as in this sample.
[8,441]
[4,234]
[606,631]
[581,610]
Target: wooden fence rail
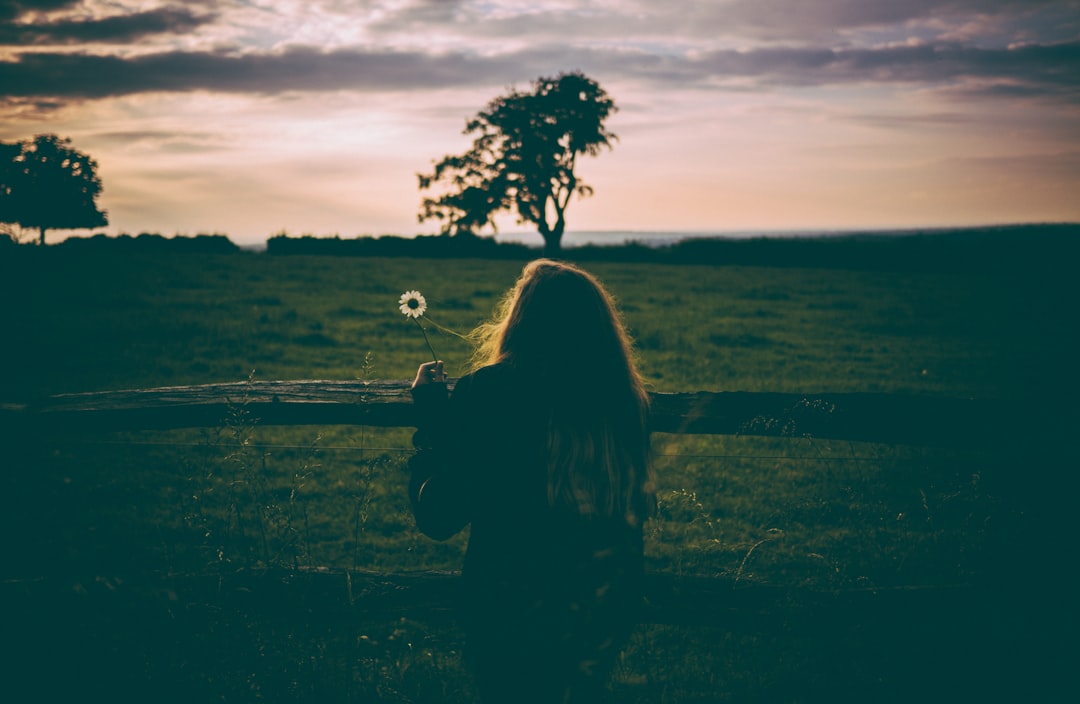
[869,417]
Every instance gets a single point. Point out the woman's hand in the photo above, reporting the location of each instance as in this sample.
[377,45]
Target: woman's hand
[430,373]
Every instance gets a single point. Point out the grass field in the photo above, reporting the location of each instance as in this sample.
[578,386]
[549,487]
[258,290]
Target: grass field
[803,512]
[91,322]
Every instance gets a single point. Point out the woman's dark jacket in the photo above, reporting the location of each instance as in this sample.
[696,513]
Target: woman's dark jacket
[545,574]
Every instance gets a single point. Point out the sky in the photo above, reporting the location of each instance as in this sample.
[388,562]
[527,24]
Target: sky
[255,117]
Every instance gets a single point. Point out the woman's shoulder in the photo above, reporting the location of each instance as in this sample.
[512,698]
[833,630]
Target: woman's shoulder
[499,372]
[490,380]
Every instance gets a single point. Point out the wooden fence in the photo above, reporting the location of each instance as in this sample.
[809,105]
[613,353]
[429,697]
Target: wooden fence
[861,417]
[879,418]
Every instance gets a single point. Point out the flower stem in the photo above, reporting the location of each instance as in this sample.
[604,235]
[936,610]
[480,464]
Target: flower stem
[434,357]
[446,330]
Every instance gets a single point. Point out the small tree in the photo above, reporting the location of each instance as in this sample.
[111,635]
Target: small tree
[45,184]
[523,159]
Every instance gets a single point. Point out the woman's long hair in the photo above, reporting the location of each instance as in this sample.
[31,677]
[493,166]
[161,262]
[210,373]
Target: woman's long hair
[560,328]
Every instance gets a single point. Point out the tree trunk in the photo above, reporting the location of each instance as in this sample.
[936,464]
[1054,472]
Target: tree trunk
[553,245]
[553,235]
[41,237]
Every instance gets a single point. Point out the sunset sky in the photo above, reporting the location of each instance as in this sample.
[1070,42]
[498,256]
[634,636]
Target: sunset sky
[252,117]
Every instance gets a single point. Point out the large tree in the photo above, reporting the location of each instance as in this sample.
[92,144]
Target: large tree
[523,158]
[46,184]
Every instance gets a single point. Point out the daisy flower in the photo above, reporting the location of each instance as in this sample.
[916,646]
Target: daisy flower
[412,304]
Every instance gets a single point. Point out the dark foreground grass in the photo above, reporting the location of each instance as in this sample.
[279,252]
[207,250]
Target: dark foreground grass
[106,533]
[99,524]
[112,643]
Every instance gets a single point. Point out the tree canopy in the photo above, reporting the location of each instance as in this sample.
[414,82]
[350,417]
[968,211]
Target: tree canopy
[46,184]
[523,159]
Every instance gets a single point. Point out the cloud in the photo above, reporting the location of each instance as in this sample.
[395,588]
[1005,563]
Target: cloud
[422,45]
[495,24]
[1040,69]
[1031,70]
[116,29]
[905,121]
[790,19]
[307,69]
[734,22]
[162,141]
[12,9]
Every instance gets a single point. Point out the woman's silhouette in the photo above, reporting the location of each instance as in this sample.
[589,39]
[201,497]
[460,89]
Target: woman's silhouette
[543,449]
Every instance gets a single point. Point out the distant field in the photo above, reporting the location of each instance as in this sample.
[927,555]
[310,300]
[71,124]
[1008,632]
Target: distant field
[96,321]
[798,512]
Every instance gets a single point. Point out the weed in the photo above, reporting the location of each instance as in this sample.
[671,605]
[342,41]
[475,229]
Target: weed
[245,519]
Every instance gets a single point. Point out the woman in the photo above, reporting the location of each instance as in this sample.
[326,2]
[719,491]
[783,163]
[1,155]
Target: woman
[543,449]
